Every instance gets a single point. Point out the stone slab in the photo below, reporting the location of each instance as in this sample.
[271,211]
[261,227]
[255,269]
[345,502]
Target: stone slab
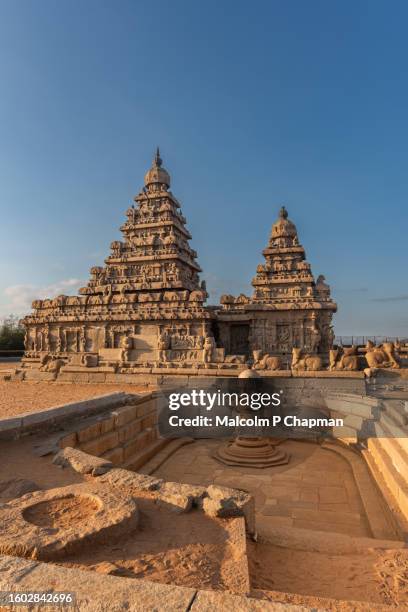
[94,592]
[327,374]
[10,424]
[275,373]
[81,462]
[90,370]
[209,601]
[15,426]
[114,354]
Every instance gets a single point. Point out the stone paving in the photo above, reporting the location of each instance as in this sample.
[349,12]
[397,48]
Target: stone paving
[316,490]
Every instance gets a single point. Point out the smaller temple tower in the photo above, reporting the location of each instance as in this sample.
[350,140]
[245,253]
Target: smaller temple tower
[286,275]
[288,307]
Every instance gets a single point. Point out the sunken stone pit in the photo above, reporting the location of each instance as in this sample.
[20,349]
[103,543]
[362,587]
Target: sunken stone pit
[165,515]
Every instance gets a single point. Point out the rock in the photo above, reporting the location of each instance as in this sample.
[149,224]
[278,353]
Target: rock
[195,492]
[132,481]
[174,497]
[81,462]
[105,567]
[175,503]
[10,489]
[249,373]
[226,503]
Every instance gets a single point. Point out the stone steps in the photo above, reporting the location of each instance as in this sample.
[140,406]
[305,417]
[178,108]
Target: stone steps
[380,521]
[392,479]
[317,603]
[324,541]
[135,462]
[173,445]
[395,410]
[398,438]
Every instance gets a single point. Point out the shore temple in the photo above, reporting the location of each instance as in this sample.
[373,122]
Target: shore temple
[146,306]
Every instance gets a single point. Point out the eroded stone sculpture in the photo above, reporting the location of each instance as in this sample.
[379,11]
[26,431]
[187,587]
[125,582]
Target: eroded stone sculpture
[383,356]
[305,362]
[266,362]
[343,358]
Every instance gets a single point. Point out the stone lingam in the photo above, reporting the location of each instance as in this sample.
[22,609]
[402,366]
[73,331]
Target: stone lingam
[250,447]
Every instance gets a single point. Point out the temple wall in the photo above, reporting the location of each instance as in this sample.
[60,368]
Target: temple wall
[122,436]
[275,332]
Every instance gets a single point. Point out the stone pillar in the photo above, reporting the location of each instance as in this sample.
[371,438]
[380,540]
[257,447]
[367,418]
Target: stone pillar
[302,333]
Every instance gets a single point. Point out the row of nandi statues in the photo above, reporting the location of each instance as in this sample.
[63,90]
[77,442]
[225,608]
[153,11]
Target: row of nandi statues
[340,358]
[384,355]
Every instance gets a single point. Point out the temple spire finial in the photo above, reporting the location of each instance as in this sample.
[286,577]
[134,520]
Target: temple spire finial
[157,175]
[283,213]
[157,159]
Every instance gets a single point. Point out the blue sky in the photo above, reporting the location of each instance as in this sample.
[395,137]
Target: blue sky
[254,105]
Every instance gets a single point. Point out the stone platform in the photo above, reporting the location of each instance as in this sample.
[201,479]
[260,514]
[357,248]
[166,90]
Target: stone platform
[317,491]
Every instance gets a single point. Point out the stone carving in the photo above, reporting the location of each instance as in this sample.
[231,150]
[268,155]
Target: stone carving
[82,340]
[198,296]
[51,364]
[163,344]
[126,344]
[315,336]
[383,356]
[208,349]
[343,359]
[266,362]
[305,362]
[89,361]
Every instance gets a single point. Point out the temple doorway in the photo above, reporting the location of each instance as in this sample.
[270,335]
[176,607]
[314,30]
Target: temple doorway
[239,339]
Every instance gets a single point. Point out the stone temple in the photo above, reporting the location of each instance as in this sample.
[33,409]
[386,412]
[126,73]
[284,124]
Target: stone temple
[146,306]
[288,307]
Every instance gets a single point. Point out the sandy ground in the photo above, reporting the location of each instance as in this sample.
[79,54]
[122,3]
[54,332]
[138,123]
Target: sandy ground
[19,397]
[18,460]
[183,549]
[378,577]
[8,365]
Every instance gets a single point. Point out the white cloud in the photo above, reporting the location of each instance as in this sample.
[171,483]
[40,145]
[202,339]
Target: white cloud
[18,298]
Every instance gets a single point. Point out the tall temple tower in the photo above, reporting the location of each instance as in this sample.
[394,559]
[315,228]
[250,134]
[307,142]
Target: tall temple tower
[146,305]
[288,307]
[155,253]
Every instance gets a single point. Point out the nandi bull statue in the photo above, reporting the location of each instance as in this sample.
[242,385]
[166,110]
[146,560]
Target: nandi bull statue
[305,362]
[343,359]
[382,356]
[266,362]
